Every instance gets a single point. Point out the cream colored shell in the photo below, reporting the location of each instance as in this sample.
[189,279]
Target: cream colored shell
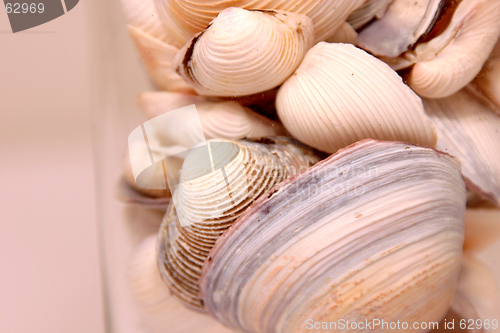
[185,18]
[207,205]
[245,52]
[142,14]
[341,94]
[374,231]
[488,81]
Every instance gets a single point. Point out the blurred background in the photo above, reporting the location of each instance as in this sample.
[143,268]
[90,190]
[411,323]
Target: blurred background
[49,260]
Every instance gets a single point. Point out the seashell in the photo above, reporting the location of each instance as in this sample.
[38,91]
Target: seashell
[142,14]
[173,130]
[207,205]
[185,18]
[469,130]
[271,45]
[157,57]
[374,231]
[488,80]
[159,310]
[371,9]
[344,34]
[446,42]
[341,94]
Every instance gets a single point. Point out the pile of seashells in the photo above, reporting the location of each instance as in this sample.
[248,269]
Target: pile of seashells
[357,139]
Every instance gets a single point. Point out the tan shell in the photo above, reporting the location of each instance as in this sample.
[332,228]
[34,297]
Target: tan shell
[374,231]
[344,34]
[157,57]
[271,45]
[206,206]
[185,18]
[341,94]
[159,310]
[469,129]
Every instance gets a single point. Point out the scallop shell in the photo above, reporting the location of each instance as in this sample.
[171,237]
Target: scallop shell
[469,129]
[271,45]
[206,206]
[160,311]
[341,94]
[157,57]
[488,80]
[367,233]
[173,130]
[185,18]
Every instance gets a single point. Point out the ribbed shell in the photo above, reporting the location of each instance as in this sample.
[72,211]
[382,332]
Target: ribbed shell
[185,18]
[245,52]
[368,11]
[341,94]
[157,57]
[209,208]
[160,311]
[374,231]
[469,129]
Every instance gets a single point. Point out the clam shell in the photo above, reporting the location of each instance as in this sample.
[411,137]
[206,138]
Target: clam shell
[271,45]
[185,18]
[450,61]
[488,80]
[157,57]
[160,311]
[469,129]
[207,205]
[173,130]
[341,94]
[374,231]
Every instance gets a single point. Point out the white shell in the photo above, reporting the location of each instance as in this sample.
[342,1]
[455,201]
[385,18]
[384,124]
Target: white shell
[341,94]
[469,129]
[374,231]
[206,205]
[488,80]
[160,311]
[185,18]
[157,57]
[270,46]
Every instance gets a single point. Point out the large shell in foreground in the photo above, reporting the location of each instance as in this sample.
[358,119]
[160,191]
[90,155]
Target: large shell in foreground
[341,94]
[185,18]
[176,126]
[446,42]
[207,204]
[270,46]
[159,310]
[469,129]
[374,231]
